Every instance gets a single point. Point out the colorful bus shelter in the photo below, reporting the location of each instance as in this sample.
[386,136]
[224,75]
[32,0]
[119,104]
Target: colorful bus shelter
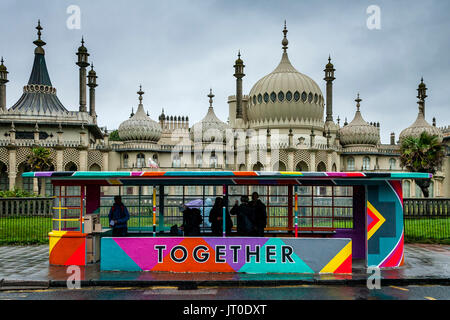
[309,236]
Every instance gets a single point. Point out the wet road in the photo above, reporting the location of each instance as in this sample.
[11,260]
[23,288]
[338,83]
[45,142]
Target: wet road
[301,292]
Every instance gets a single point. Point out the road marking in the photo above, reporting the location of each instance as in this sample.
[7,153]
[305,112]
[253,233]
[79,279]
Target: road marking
[430,298]
[123,288]
[398,288]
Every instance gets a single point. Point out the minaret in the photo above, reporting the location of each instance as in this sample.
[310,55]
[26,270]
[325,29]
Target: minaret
[329,77]
[239,74]
[3,81]
[82,63]
[422,93]
[92,83]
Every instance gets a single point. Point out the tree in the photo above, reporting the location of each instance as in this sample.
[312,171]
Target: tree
[39,160]
[422,154]
[114,136]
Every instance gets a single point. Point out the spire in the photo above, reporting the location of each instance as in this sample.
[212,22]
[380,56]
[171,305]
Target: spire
[39,43]
[211,96]
[140,93]
[285,41]
[358,100]
[39,73]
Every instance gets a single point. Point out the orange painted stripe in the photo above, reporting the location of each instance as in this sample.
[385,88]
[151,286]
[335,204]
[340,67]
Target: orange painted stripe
[153,173]
[244,173]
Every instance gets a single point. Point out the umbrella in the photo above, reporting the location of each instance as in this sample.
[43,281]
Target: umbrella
[197,203]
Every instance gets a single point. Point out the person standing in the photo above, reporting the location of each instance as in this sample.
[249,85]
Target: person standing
[192,220]
[118,217]
[245,216]
[216,218]
[260,214]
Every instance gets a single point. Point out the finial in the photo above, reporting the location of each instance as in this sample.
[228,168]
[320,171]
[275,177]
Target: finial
[39,43]
[285,41]
[345,123]
[358,100]
[329,58]
[211,96]
[1,60]
[338,120]
[82,40]
[239,53]
[140,93]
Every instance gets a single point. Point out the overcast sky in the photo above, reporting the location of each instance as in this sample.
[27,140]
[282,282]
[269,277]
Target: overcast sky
[178,49]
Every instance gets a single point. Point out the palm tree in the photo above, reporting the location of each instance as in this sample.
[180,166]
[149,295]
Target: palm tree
[422,154]
[39,160]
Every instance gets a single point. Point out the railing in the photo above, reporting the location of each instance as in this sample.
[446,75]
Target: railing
[426,219]
[25,220]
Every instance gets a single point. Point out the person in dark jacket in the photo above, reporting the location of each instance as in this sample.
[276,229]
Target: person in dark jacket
[245,216]
[216,218]
[118,217]
[192,219]
[260,214]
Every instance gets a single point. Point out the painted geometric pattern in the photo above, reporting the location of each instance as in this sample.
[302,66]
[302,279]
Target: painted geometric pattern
[67,248]
[245,255]
[385,224]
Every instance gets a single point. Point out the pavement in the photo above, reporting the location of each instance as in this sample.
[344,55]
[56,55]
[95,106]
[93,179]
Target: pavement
[24,267]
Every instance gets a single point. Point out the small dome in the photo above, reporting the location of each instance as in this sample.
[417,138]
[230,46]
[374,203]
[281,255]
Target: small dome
[210,128]
[140,126]
[358,131]
[419,126]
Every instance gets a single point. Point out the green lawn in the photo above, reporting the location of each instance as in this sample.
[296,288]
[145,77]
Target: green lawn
[34,230]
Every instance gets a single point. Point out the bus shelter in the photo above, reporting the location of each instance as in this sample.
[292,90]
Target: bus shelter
[317,222]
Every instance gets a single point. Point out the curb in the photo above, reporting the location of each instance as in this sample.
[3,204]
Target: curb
[194,284]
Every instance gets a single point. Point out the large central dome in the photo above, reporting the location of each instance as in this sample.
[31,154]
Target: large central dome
[285,98]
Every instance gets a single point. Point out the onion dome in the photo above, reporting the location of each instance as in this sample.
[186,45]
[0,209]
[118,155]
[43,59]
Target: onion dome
[419,126]
[358,131]
[210,128]
[140,126]
[285,97]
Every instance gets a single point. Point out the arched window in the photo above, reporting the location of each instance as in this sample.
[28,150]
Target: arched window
[316,98]
[419,193]
[176,161]
[392,163]
[140,160]
[260,98]
[406,186]
[4,181]
[279,166]
[301,166]
[213,161]
[273,96]
[254,99]
[258,167]
[296,96]
[281,96]
[125,160]
[310,97]
[288,96]
[266,97]
[198,160]
[321,167]
[304,96]
[366,163]
[350,164]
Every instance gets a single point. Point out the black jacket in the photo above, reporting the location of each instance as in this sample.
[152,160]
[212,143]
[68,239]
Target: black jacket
[217,225]
[260,213]
[246,220]
[192,219]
